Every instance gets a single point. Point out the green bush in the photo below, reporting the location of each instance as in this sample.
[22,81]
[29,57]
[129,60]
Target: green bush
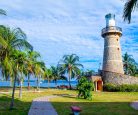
[85,88]
[121,88]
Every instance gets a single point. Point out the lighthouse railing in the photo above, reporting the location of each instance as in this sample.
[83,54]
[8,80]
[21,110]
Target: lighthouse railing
[111,28]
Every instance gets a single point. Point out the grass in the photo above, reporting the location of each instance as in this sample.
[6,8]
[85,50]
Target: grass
[105,103]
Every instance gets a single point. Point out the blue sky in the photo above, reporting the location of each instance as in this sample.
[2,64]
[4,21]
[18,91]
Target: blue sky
[58,27]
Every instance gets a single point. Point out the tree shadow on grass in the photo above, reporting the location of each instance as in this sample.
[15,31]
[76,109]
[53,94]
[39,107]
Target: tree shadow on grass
[65,95]
[63,108]
[20,107]
[96,108]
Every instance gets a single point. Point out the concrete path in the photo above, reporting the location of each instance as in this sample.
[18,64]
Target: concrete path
[134,105]
[42,106]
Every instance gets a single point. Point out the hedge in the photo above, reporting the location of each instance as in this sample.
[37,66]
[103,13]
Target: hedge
[121,88]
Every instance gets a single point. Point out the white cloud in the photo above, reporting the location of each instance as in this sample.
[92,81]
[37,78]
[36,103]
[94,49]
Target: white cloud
[68,26]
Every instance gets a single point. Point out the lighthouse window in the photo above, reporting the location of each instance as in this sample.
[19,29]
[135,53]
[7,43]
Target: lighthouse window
[118,48]
[117,39]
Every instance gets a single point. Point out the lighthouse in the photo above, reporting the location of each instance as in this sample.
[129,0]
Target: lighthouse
[112,58]
[112,69]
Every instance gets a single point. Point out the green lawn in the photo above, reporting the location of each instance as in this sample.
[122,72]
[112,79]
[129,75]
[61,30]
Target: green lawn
[105,103]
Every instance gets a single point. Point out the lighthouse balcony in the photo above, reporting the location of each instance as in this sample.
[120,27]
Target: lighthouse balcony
[111,29]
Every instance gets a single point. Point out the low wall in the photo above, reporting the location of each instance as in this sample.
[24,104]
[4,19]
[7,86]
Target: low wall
[118,79]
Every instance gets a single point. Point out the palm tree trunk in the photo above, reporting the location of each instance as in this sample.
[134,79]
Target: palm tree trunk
[28,82]
[48,83]
[37,84]
[56,82]
[20,91]
[11,82]
[13,92]
[69,80]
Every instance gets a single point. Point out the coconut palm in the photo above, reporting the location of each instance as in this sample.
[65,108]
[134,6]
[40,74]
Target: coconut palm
[48,75]
[130,66]
[70,64]
[55,73]
[38,72]
[20,61]
[11,39]
[13,67]
[32,57]
[129,7]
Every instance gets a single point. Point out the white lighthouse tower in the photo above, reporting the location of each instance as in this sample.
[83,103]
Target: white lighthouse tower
[112,59]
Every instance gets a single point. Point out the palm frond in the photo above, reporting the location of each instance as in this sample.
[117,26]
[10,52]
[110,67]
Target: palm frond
[3,43]
[18,43]
[79,65]
[63,78]
[130,5]
[19,33]
[3,12]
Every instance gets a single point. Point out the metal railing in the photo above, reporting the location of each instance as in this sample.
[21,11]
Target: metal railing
[111,28]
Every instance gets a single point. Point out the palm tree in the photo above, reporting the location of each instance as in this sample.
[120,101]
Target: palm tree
[32,57]
[133,69]
[56,73]
[130,66]
[129,7]
[20,60]
[70,64]
[38,71]
[48,75]
[11,39]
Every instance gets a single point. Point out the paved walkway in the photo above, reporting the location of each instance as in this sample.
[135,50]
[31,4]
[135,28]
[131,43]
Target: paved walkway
[42,106]
[135,105]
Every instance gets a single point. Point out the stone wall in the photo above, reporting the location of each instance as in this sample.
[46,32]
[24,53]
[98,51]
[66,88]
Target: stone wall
[118,79]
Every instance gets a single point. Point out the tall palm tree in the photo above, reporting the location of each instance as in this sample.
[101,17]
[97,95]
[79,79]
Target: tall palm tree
[48,75]
[129,7]
[56,74]
[130,66]
[11,39]
[70,64]
[39,72]
[32,57]
[20,61]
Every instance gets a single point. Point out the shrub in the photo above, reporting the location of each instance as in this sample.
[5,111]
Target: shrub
[85,88]
[121,88]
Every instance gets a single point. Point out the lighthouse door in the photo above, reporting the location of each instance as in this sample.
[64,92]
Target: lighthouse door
[99,85]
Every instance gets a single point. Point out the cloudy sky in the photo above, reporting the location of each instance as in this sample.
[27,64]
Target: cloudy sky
[58,27]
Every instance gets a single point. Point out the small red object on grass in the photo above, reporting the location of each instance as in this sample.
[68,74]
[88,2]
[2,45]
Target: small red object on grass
[75,109]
